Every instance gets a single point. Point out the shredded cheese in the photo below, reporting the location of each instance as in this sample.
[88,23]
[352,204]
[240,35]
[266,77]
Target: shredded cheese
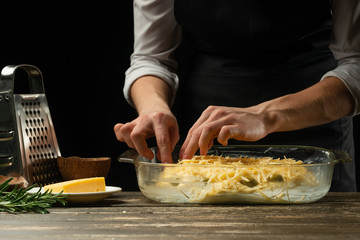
[237,175]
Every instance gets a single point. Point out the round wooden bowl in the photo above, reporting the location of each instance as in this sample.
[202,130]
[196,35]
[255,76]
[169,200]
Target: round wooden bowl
[77,167]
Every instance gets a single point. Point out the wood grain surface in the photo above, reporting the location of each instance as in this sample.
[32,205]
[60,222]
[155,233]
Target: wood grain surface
[129,215]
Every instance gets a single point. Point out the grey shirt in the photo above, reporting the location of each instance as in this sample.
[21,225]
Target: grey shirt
[157,35]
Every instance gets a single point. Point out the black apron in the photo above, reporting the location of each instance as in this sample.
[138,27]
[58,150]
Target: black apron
[244,52]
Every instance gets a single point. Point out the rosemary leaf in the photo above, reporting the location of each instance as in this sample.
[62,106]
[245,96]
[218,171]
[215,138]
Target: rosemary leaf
[20,200]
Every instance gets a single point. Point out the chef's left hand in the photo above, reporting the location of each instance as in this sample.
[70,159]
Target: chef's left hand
[223,123]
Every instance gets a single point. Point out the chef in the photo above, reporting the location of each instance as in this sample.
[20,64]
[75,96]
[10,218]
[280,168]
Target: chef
[259,72]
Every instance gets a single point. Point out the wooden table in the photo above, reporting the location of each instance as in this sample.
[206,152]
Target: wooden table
[129,215]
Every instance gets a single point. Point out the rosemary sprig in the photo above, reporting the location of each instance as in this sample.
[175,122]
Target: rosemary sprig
[20,200]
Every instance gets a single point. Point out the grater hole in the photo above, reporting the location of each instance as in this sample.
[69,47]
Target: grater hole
[45,171]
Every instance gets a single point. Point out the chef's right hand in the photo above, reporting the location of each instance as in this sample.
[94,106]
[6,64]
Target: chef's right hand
[161,124]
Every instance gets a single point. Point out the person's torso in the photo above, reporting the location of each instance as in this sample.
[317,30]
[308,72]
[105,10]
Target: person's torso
[244,52]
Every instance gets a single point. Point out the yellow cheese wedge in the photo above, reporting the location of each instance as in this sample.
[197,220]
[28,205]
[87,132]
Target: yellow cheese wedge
[95,184]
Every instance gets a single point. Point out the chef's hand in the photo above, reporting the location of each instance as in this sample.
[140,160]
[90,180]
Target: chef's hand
[151,96]
[162,125]
[223,123]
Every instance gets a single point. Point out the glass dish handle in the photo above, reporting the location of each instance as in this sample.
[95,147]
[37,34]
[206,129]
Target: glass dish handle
[341,156]
[128,156]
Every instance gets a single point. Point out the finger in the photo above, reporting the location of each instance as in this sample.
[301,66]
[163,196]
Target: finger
[138,138]
[184,145]
[209,132]
[124,133]
[211,144]
[191,148]
[135,135]
[204,149]
[174,137]
[190,145]
[117,132]
[205,116]
[188,139]
[163,142]
[227,132]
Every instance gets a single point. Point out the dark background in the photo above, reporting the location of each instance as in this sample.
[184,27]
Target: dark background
[83,52]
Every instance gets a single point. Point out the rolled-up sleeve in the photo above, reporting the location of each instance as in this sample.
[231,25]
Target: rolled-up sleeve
[156,37]
[345,45]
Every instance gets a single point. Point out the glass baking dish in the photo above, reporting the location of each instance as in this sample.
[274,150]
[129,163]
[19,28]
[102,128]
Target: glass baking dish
[279,183]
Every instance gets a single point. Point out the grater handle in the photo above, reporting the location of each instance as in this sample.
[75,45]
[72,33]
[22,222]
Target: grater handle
[8,77]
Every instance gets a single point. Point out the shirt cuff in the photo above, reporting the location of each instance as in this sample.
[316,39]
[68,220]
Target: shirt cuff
[135,72]
[349,73]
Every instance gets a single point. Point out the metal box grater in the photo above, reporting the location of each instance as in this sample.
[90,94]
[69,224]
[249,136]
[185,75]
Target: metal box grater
[28,144]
